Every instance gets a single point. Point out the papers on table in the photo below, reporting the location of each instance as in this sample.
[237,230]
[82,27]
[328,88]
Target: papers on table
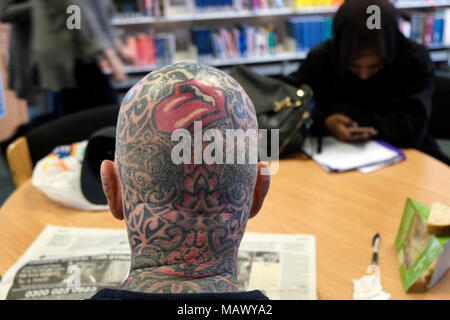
[74,263]
[338,156]
[68,264]
[283,266]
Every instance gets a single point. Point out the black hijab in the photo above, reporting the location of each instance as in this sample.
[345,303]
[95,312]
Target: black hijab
[351,35]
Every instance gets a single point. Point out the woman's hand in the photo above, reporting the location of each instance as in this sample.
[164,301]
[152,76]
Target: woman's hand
[343,128]
[128,55]
[119,73]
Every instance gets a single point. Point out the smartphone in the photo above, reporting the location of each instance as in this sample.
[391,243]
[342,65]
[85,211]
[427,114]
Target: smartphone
[358,130]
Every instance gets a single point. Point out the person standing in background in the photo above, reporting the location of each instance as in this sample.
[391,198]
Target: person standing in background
[371,82]
[68,59]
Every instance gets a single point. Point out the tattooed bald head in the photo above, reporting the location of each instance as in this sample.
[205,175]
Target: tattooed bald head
[185,221]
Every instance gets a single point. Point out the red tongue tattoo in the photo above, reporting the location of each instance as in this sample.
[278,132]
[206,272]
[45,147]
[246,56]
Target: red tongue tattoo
[192,101]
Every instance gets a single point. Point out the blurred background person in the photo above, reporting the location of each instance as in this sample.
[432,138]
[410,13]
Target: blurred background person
[68,59]
[371,82]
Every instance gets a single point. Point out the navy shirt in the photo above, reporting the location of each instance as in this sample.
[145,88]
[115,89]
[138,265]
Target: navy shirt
[117,294]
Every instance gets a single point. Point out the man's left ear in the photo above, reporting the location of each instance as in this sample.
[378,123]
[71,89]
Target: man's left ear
[111,187]
[261,189]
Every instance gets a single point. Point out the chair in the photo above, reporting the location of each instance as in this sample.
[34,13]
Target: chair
[440,115]
[23,153]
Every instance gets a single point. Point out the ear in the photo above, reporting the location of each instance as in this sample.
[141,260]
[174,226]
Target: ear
[111,187]
[261,189]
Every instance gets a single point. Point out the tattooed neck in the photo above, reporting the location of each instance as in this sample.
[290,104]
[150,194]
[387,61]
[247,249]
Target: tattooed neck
[186,252]
[156,280]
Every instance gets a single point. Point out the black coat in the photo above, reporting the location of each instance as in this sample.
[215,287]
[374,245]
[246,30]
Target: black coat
[396,101]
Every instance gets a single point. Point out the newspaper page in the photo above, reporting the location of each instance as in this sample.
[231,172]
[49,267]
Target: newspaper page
[74,263]
[282,265]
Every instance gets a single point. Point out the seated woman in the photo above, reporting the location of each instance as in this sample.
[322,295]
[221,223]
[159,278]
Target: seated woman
[371,82]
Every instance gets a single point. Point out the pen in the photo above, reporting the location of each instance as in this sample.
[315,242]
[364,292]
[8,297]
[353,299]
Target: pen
[376,244]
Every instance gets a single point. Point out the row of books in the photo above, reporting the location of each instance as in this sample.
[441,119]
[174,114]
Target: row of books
[212,5]
[135,8]
[428,28]
[231,43]
[258,4]
[308,32]
[264,4]
[150,49]
[157,8]
[131,8]
[216,5]
[298,4]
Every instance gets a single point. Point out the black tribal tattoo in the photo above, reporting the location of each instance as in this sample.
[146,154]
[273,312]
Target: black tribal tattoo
[185,222]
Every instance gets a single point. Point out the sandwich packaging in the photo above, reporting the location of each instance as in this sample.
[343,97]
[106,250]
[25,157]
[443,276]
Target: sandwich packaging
[423,257]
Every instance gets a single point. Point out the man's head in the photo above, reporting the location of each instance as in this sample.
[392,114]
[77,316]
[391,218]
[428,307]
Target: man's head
[186,220]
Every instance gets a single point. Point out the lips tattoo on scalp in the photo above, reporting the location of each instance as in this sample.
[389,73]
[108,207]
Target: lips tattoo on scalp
[192,101]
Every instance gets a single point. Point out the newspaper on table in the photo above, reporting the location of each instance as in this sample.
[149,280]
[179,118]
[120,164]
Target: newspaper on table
[74,263]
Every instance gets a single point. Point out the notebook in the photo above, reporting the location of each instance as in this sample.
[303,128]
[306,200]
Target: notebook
[338,156]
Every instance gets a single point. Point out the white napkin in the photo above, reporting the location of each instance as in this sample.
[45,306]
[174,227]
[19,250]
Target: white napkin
[369,286]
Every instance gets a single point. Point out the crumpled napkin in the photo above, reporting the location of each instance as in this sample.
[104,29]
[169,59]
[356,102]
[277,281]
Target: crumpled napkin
[369,286]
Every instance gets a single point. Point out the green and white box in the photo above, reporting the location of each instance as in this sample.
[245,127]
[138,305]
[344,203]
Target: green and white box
[423,258]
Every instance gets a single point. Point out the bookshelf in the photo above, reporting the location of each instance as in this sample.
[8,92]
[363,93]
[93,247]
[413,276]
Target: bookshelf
[188,57]
[241,14]
[190,17]
[282,60]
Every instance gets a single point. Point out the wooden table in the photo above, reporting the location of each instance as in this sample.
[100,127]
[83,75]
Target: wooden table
[344,211]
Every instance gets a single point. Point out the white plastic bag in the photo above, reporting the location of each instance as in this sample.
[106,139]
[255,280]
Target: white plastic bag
[58,177]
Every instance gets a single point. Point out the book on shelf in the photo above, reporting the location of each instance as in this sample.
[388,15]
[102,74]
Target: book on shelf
[258,4]
[446,33]
[438,30]
[150,49]
[428,28]
[417,26]
[138,8]
[308,32]
[242,41]
[201,37]
[165,48]
[212,5]
[301,4]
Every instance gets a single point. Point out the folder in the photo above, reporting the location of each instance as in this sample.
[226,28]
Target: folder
[338,156]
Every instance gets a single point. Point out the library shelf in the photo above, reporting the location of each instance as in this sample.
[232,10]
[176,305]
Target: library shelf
[214,62]
[241,14]
[282,62]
